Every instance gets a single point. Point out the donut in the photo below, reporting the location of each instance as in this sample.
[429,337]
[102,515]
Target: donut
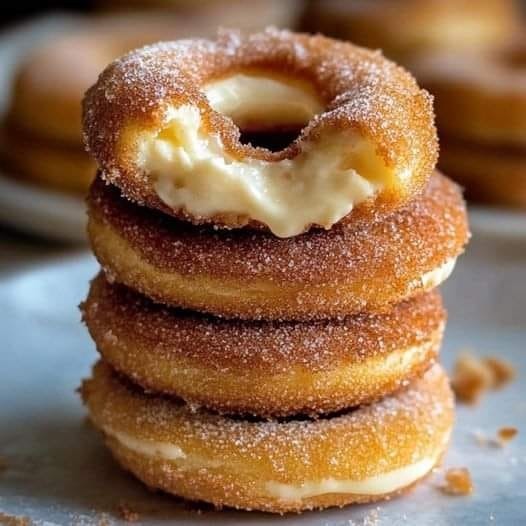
[59,167]
[491,175]
[167,124]
[481,96]
[296,464]
[263,368]
[243,274]
[403,28]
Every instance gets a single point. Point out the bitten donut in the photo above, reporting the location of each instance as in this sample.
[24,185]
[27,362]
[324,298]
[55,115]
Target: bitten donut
[403,28]
[347,269]
[166,125]
[361,455]
[263,368]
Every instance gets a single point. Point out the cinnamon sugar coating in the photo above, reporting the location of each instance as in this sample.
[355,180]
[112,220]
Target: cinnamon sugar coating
[236,462]
[348,269]
[364,93]
[263,368]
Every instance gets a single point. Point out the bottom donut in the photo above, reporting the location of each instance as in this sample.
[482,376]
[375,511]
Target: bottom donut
[293,464]
[490,174]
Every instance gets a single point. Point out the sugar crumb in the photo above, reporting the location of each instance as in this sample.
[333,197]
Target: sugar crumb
[127,513]
[457,482]
[473,376]
[506,434]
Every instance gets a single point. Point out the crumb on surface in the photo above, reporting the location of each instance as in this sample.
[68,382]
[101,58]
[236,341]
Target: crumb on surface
[503,372]
[473,376]
[7,519]
[505,434]
[457,482]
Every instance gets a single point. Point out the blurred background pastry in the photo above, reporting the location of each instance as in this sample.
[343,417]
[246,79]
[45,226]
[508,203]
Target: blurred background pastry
[403,28]
[242,14]
[480,104]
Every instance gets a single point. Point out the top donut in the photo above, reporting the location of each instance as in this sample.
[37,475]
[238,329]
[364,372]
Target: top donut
[168,125]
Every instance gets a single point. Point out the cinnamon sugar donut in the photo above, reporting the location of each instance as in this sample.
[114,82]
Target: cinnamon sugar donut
[348,269]
[403,28]
[63,168]
[263,368]
[164,125]
[361,455]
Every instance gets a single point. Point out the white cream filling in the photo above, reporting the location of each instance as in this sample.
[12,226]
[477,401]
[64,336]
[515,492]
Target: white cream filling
[375,485]
[192,170]
[435,277]
[148,448]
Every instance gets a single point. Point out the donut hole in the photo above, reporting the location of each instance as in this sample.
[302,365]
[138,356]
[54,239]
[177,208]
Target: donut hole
[272,140]
[270,111]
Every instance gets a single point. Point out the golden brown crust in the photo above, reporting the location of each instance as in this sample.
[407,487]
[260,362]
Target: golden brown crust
[479,97]
[407,27]
[55,166]
[230,462]
[364,93]
[490,175]
[239,273]
[263,368]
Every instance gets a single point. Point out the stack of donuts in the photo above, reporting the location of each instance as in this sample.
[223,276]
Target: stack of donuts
[271,231]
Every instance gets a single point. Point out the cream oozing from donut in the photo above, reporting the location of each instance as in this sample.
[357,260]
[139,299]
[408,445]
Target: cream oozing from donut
[379,484]
[192,169]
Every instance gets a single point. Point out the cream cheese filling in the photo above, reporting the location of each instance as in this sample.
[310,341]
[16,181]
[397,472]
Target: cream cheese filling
[435,277]
[191,169]
[376,485]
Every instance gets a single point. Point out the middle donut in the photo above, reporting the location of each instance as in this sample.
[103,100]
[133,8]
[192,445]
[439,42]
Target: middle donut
[263,368]
[184,127]
[244,274]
